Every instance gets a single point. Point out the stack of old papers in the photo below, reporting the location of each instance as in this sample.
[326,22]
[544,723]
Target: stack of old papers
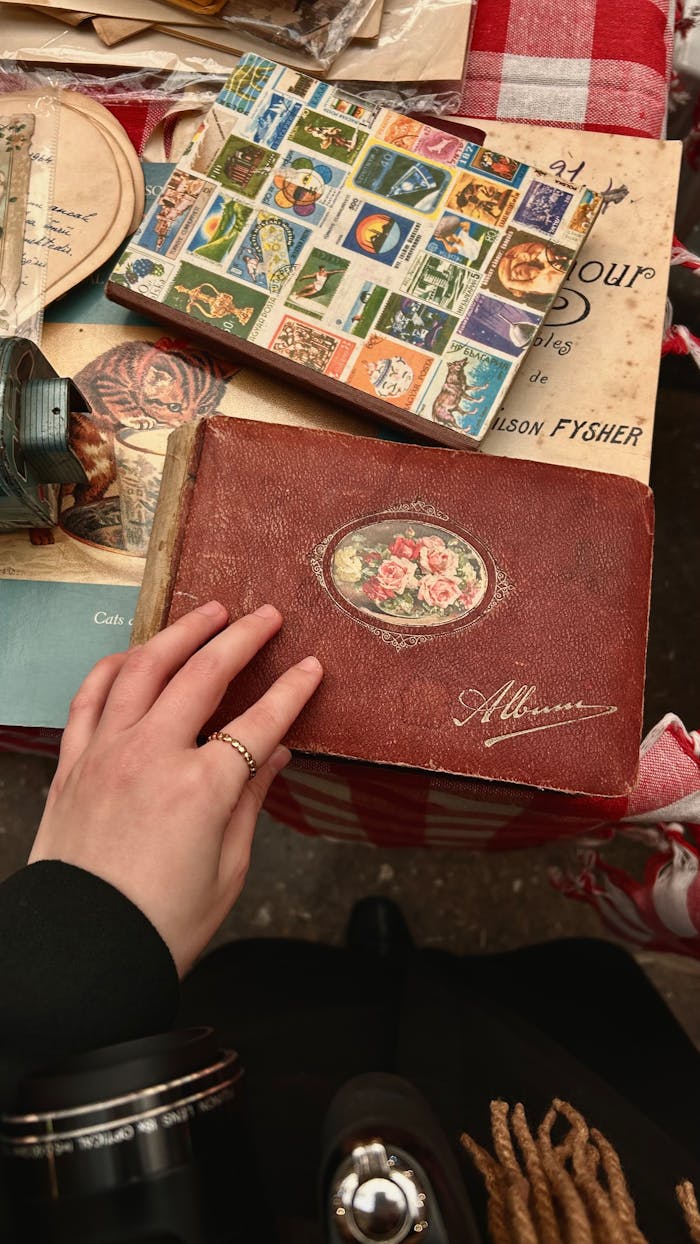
[394,41]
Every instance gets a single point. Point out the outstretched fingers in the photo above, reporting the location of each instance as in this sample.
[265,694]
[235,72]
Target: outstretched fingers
[149,668]
[195,692]
[263,726]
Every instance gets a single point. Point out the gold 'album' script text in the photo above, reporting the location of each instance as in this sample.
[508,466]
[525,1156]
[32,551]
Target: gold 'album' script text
[511,703]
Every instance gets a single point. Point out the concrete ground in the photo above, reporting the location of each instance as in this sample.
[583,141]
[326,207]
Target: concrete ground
[455,900]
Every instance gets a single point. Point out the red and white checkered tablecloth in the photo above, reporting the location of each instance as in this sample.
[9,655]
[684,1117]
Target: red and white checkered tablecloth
[355,803]
[593,65]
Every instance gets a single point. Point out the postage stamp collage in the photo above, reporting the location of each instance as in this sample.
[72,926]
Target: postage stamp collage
[405,261]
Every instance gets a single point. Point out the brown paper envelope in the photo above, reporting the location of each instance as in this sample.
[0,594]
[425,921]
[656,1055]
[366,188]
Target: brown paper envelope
[137,10]
[113,30]
[69,16]
[372,24]
[417,43]
[421,45]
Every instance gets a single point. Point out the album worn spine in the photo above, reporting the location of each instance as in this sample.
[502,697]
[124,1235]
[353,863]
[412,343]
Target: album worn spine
[176,491]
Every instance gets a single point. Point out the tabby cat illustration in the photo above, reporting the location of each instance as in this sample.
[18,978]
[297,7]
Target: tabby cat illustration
[140,384]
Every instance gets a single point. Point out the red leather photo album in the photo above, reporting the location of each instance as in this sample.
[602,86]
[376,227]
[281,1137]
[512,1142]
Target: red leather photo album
[475,616]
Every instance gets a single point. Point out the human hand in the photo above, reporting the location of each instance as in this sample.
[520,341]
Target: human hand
[136,802]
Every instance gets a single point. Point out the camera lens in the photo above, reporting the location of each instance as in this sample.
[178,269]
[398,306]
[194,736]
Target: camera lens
[140,1141]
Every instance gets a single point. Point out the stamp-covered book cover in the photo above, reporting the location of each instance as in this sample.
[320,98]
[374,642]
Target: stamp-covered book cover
[474,616]
[393,266]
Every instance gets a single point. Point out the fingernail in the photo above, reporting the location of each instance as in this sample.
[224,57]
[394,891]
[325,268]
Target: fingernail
[311,665]
[280,758]
[211,609]
[266,611]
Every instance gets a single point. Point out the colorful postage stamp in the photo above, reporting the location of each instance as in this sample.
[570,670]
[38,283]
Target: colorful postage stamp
[346,105]
[208,297]
[269,251]
[585,213]
[543,207]
[399,130]
[247,82]
[411,135]
[492,164]
[311,346]
[402,179]
[269,126]
[390,370]
[481,200]
[438,145]
[448,284]
[317,281]
[296,83]
[220,228]
[499,325]
[528,269]
[327,136]
[209,139]
[303,185]
[378,234]
[143,273]
[416,324]
[243,166]
[167,226]
[465,390]
[461,240]
[361,315]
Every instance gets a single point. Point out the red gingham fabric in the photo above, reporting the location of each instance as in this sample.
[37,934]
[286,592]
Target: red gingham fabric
[594,65]
[365,803]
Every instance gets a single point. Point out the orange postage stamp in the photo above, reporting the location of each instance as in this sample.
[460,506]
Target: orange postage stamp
[390,370]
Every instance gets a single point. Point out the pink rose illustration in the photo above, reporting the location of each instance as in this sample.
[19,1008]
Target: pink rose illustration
[438,590]
[431,542]
[397,573]
[441,561]
[374,590]
[469,595]
[404,547]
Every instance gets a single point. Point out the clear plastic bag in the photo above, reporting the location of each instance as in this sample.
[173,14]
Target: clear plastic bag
[111,84]
[419,41]
[181,100]
[318,28]
[441,101]
[28,140]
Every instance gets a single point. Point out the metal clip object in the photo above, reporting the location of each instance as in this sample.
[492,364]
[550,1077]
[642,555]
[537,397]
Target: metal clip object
[35,451]
[377,1198]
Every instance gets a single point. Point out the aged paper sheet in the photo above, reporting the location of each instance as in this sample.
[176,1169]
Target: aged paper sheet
[586,392]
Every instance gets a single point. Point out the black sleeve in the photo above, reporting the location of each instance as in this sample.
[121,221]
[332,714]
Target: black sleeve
[80,967]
